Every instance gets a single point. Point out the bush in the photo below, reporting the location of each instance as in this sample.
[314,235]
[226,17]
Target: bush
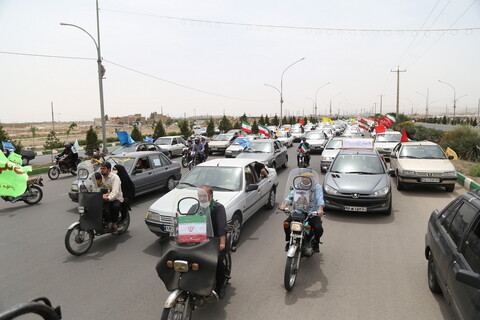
[474,171]
[419,132]
[465,141]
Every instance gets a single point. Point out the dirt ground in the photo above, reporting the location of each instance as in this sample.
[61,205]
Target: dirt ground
[464,167]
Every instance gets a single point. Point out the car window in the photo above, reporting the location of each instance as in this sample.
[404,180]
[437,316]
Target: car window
[163,141]
[143,164]
[151,147]
[249,176]
[165,161]
[219,178]
[156,162]
[174,141]
[472,248]
[355,163]
[460,220]
[334,144]
[259,147]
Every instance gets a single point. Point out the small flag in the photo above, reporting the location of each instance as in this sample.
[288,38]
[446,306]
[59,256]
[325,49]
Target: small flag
[246,127]
[8,146]
[363,124]
[301,121]
[390,117]
[452,153]
[263,130]
[124,137]
[244,142]
[148,139]
[304,148]
[328,120]
[379,129]
[192,228]
[76,146]
[404,136]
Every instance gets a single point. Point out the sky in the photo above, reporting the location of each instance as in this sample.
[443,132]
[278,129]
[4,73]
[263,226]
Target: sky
[214,57]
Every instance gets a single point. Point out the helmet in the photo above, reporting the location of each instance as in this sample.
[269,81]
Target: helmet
[67,144]
[304,139]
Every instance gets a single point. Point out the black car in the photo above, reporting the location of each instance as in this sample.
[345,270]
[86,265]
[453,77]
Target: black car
[452,248]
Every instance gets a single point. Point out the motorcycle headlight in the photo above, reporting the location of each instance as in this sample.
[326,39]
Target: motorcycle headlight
[152,216]
[331,190]
[74,187]
[297,227]
[450,174]
[381,192]
[83,173]
[408,173]
[81,209]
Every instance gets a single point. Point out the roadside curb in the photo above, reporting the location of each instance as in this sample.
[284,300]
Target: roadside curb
[467,183]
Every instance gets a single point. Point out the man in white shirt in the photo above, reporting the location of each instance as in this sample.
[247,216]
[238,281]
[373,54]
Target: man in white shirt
[114,196]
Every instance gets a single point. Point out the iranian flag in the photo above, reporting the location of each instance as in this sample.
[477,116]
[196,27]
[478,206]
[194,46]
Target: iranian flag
[363,124]
[390,118]
[192,228]
[304,148]
[263,130]
[379,129]
[246,127]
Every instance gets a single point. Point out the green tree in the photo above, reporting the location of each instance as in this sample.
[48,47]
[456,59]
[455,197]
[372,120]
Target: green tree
[91,141]
[244,118]
[3,134]
[225,124]
[52,141]
[169,122]
[275,121]
[210,127]
[159,130]
[70,128]
[474,122]
[237,125]
[136,133]
[152,115]
[267,121]
[185,130]
[284,120]
[255,127]
[444,120]
[261,120]
[33,130]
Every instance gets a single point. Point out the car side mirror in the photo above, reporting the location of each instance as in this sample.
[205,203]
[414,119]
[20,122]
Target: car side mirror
[393,155]
[252,187]
[450,157]
[469,278]
[391,172]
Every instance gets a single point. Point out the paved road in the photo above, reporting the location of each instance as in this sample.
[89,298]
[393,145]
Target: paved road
[370,266]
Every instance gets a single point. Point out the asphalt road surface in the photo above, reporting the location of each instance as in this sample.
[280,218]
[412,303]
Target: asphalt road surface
[370,266]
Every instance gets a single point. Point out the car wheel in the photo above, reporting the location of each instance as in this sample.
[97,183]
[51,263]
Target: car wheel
[450,188]
[432,276]
[170,184]
[271,199]
[236,227]
[400,185]
[25,162]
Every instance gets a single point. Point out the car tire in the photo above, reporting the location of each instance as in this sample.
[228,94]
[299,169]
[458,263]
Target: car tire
[271,199]
[170,185]
[450,188]
[432,276]
[236,223]
[25,162]
[400,185]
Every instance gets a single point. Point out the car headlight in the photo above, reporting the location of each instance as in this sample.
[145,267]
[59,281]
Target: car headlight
[83,173]
[152,216]
[326,158]
[450,174]
[74,187]
[408,173]
[331,190]
[381,192]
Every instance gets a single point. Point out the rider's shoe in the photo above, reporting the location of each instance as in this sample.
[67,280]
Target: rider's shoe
[316,247]
[287,246]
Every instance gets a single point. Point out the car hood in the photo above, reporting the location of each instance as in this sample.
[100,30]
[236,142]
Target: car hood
[382,145]
[235,147]
[218,143]
[315,141]
[259,156]
[166,206]
[356,183]
[430,165]
[330,152]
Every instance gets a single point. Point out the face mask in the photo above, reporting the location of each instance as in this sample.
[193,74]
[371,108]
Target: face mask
[204,205]
[114,171]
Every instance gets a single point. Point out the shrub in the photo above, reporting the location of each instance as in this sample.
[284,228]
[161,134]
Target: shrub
[465,141]
[474,171]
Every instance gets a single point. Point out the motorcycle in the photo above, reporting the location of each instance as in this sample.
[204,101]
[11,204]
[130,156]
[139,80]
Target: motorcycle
[189,263]
[61,167]
[32,195]
[194,159]
[185,157]
[93,210]
[301,232]
[301,159]
[39,306]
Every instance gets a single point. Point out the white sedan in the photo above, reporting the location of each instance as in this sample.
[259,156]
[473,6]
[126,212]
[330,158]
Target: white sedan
[235,183]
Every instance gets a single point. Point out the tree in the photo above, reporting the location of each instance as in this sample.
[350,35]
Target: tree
[474,122]
[255,127]
[237,125]
[284,120]
[159,130]
[225,124]
[33,130]
[52,141]
[152,115]
[244,118]
[91,141]
[267,121]
[210,127]
[261,120]
[70,128]
[444,120]
[275,121]
[136,133]
[185,129]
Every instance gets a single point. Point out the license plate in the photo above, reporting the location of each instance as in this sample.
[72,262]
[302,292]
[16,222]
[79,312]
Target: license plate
[168,229]
[361,209]
[213,148]
[429,180]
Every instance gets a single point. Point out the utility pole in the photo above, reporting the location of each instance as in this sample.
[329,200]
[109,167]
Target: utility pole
[478,112]
[375,110]
[398,87]
[381,96]
[53,120]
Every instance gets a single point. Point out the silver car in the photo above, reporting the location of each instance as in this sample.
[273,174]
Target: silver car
[385,142]
[174,144]
[270,152]
[331,150]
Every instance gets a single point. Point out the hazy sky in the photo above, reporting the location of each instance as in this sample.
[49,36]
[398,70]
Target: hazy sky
[188,66]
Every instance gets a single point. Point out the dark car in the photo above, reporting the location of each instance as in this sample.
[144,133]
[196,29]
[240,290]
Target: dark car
[140,146]
[27,155]
[149,171]
[358,180]
[452,248]
[270,152]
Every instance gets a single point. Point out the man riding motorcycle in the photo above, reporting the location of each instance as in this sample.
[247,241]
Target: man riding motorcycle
[304,147]
[199,149]
[317,204]
[68,157]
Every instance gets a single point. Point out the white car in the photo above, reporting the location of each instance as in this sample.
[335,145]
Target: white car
[317,140]
[220,143]
[297,133]
[331,150]
[235,183]
[384,142]
[285,137]
[422,163]
[174,144]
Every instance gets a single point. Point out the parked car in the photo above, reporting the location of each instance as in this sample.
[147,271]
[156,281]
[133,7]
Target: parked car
[156,171]
[331,150]
[27,155]
[221,142]
[358,180]
[235,148]
[422,163]
[297,133]
[236,184]
[174,145]
[285,137]
[384,142]
[270,152]
[139,146]
[452,248]
[317,140]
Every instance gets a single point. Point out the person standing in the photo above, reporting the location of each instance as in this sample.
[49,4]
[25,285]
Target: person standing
[114,197]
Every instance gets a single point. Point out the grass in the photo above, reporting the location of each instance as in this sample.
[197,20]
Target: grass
[464,167]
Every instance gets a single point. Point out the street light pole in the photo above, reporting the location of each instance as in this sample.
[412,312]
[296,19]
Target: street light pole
[269,85]
[331,102]
[426,104]
[316,91]
[101,72]
[454,96]
[281,88]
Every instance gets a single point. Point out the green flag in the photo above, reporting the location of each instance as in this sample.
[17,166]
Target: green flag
[13,177]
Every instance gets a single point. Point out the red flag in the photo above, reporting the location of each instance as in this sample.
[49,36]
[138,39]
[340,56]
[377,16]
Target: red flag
[404,136]
[301,121]
[379,129]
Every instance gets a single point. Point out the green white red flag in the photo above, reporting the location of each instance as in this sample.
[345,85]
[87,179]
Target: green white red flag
[246,127]
[304,148]
[363,124]
[263,130]
[192,228]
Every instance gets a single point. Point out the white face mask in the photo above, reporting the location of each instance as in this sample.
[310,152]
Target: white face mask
[204,205]
[114,171]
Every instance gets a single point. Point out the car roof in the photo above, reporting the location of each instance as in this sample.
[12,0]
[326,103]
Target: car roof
[358,151]
[389,132]
[419,143]
[135,154]
[223,162]
[264,140]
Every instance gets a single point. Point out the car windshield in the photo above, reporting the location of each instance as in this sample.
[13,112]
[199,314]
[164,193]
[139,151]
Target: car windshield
[422,152]
[357,164]
[259,147]
[219,178]
[127,162]
[334,144]
[223,137]
[125,148]
[282,134]
[315,136]
[296,130]
[388,137]
[163,141]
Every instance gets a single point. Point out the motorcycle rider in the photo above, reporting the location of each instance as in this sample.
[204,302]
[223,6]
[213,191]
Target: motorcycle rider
[304,147]
[114,196]
[318,204]
[205,146]
[199,150]
[219,223]
[67,157]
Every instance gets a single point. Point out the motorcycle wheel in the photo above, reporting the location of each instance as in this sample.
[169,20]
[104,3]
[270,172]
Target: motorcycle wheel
[291,271]
[33,195]
[73,171]
[53,173]
[183,305]
[78,241]
[184,162]
[124,226]
[191,164]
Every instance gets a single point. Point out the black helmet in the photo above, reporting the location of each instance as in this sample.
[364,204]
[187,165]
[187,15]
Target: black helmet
[67,144]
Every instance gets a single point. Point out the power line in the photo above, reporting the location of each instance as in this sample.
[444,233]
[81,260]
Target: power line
[269,26]
[44,55]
